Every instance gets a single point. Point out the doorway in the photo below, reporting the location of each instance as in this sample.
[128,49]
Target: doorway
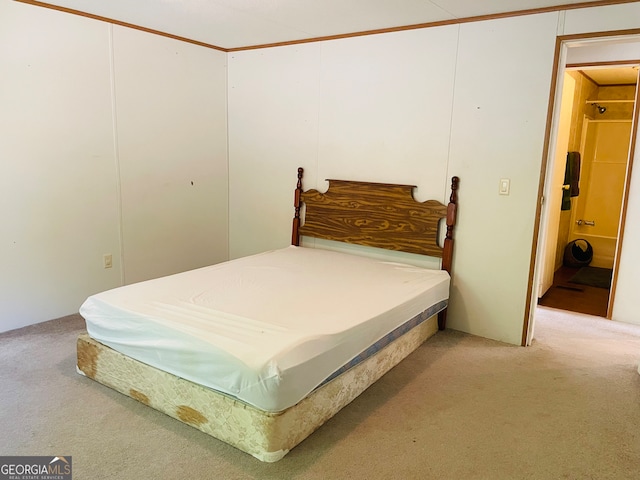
[591,166]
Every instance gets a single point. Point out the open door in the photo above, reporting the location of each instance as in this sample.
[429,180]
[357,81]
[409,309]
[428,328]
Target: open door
[554,198]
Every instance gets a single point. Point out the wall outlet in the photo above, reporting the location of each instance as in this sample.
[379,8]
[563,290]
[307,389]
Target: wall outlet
[107,260]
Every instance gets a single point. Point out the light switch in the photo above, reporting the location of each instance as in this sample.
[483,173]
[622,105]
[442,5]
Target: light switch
[505,185]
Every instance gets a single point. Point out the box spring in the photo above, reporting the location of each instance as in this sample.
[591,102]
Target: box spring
[265,435]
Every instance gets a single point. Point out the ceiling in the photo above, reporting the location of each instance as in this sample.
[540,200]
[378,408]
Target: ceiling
[233,24]
[612,76]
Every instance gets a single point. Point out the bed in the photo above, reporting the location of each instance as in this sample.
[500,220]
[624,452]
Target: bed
[260,351]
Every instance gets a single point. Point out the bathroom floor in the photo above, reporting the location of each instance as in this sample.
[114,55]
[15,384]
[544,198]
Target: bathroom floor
[575,297]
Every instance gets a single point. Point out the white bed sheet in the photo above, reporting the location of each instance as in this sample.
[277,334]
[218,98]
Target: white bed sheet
[268,328]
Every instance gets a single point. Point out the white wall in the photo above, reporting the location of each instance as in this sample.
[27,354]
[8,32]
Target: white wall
[170,102]
[503,79]
[412,107]
[62,156]
[273,129]
[356,108]
[625,16]
[626,304]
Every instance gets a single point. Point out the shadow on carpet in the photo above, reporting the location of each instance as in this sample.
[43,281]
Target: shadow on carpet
[593,277]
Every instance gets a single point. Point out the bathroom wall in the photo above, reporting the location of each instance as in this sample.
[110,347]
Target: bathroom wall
[616,111]
[586,90]
[604,162]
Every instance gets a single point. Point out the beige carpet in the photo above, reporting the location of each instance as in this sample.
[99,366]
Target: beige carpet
[460,407]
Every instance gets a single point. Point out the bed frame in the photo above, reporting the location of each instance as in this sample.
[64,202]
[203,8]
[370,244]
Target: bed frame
[371,214]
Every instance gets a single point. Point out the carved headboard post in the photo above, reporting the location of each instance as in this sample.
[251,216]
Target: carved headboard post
[452,208]
[447,253]
[295,235]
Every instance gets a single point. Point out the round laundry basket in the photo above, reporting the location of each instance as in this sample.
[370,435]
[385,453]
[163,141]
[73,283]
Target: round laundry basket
[578,253]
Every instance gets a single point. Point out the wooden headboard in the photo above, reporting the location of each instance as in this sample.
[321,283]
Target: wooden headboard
[379,215]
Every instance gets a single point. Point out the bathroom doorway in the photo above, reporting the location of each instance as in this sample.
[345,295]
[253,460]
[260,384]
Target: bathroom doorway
[583,252]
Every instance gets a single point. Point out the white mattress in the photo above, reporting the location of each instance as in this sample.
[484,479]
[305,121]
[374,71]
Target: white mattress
[266,329]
